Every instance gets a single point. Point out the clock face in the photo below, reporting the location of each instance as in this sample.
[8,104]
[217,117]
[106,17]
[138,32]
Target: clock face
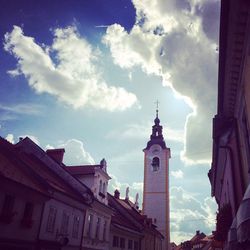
[156,151]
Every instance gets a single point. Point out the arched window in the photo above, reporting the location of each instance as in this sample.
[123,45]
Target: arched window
[100,186]
[155,164]
[103,188]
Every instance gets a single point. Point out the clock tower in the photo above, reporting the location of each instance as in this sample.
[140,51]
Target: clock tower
[156,181]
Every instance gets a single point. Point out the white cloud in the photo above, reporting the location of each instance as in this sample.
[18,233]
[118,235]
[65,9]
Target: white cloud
[137,186]
[70,74]
[32,137]
[179,237]
[187,214]
[48,146]
[143,130]
[130,76]
[75,153]
[131,49]
[177,174]
[10,138]
[172,40]
[13,111]
[134,188]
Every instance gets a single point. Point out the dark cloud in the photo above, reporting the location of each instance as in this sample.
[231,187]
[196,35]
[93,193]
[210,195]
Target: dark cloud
[209,12]
[183,5]
[188,214]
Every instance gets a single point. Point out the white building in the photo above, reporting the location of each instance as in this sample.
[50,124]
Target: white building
[98,215]
[156,181]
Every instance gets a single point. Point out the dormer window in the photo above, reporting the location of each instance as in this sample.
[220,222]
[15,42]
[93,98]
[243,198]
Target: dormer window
[104,188]
[100,187]
[155,164]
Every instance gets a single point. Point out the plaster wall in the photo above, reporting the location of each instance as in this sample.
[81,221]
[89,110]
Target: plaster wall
[14,229]
[56,233]
[94,240]
[156,190]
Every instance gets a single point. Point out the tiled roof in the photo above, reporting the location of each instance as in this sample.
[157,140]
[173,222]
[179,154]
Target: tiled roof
[34,169]
[53,172]
[17,170]
[132,215]
[117,218]
[81,170]
[50,177]
[198,237]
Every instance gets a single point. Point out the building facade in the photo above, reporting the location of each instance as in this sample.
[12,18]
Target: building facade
[22,198]
[45,211]
[130,229]
[46,205]
[98,216]
[229,174]
[156,181]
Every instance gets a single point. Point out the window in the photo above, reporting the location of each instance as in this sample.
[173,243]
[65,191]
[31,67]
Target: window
[75,230]
[90,222]
[246,135]
[27,215]
[51,220]
[100,186]
[7,209]
[104,230]
[122,243]
[115,241]
[28,210]
[130,244]
[156,164]
[136,245]
[97,227]
[104,188]
[65,223]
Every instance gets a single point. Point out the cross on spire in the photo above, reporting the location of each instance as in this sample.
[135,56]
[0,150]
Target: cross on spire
[157,107]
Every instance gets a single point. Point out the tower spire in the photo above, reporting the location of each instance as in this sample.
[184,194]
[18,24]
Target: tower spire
[156,136]
[157,108]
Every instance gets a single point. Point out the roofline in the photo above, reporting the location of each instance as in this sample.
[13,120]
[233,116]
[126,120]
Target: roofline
[127,228]
[87,191]
[223,43]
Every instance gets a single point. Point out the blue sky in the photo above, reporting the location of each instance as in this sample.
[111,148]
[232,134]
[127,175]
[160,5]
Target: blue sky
[85,75]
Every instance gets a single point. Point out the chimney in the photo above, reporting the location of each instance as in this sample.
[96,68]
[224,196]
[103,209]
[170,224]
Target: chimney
[103,165]
[136,204]
[127,194]
[56,154]
[198,232]
[117,194]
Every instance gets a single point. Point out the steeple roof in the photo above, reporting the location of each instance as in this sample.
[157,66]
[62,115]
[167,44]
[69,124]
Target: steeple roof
[156,137]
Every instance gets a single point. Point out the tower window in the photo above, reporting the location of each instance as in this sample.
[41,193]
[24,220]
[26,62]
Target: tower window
[155,164]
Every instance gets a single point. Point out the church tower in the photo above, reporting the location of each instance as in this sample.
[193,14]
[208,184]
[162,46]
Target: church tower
[156,181]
